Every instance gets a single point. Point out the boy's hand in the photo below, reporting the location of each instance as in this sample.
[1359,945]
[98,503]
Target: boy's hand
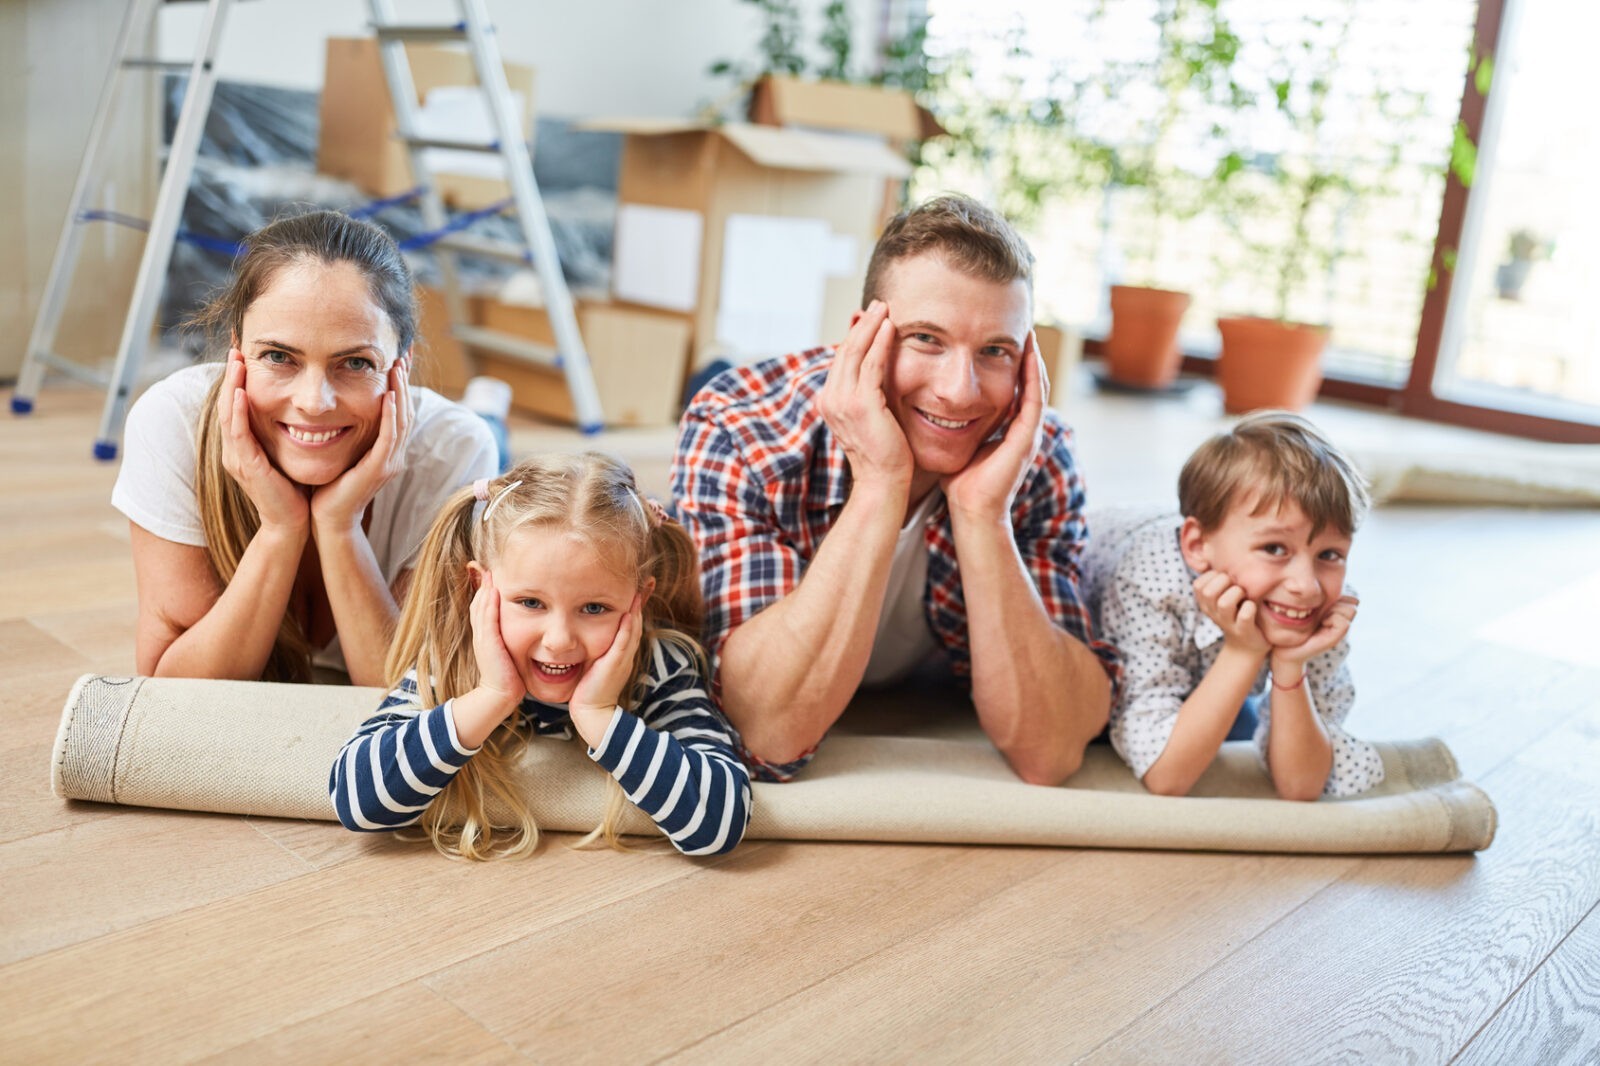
[1226,604]
[1335,624]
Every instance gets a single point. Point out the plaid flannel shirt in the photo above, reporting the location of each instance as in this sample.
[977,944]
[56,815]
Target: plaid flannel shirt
[758,479]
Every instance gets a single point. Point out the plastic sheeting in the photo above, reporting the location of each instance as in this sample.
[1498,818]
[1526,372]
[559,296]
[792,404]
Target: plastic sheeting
[257,163]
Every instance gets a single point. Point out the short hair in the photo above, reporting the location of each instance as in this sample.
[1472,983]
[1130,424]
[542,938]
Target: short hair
[1278,457]
[973,239]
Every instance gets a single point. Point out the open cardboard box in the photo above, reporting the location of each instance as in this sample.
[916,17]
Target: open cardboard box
[694,200]
[357,137]
[639,358]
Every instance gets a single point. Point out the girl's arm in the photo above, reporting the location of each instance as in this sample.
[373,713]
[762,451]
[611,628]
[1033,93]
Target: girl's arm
[386,775]
[675,758]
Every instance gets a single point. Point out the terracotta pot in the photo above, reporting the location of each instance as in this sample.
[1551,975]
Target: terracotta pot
[1268,363]
[1142,349]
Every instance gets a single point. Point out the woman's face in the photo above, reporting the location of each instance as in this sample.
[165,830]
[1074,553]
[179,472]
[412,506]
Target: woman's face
[317,353]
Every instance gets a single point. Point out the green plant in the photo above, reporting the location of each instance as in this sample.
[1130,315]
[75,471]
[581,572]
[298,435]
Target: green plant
[1338,143]
[1524,244]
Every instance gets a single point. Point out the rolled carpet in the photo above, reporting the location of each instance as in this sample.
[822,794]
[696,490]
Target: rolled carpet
[908,768]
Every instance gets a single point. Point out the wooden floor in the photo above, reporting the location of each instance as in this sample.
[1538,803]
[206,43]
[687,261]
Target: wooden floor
[142,935]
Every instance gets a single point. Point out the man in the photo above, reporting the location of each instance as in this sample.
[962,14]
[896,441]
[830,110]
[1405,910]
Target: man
[859,507]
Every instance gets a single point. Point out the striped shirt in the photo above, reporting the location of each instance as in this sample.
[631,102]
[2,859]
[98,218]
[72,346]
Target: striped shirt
[758,480]
[674,757]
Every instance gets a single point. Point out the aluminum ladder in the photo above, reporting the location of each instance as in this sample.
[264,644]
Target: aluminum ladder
[160,234]
[538,245]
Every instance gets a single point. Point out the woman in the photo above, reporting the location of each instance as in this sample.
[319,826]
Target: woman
[276,500]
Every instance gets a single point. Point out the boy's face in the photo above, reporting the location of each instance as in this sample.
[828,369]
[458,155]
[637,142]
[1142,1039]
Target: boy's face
[1293,578]
[956,363]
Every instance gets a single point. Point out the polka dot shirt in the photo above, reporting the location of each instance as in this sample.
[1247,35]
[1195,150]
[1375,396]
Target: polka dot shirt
[1142,593]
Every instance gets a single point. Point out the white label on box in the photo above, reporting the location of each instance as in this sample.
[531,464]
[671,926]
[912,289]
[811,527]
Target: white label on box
[774,282]
[657,257]
[461,113]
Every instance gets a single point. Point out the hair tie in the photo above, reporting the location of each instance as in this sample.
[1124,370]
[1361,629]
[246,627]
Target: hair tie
[480,489]
[502,494]
[656,509]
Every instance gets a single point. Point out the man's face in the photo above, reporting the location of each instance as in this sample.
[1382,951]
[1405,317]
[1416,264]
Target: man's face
[954,371]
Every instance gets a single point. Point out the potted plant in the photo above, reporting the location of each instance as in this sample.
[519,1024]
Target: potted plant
[1509,277]
[1292,176]
[1133,115]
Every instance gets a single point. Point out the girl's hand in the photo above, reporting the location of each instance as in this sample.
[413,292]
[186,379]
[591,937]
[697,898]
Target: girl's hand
[1335,625]
[279,502]
[340,503]
[497,674]
[1226,604]
[599,691]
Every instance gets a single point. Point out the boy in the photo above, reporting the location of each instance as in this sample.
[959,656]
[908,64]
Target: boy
[1239,605]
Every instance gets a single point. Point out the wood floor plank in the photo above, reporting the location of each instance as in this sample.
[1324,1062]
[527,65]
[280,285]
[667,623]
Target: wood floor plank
[1041,972]
[68,586]
[27,649]
[676,965]
[104,634]
[60,890]
[405,1024]
[244,967]
[1554,1019]
[1405,959]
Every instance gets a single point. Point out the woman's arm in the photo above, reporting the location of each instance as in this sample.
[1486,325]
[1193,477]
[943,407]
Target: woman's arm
[189,627]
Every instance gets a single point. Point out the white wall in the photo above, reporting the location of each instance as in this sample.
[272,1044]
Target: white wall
[600,57]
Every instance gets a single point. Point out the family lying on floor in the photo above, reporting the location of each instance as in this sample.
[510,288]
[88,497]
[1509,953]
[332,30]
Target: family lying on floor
[838,517]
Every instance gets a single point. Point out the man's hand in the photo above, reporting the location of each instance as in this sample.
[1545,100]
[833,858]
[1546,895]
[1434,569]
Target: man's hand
[1226,604]
[986,487]
[853,404]
[340,503]
[1289,663]
[280,503]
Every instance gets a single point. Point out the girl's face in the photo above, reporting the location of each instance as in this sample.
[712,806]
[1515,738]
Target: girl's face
[560,607]
[317,353]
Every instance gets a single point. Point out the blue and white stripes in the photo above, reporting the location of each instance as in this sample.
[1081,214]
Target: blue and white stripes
[674,758]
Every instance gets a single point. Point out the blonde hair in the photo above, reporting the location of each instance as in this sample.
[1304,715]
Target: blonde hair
[227,517]
[595,497]
[1278,456]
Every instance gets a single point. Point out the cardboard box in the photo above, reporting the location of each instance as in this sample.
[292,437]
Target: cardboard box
[894,114]
[357,139]
[639,359]
[692,197]
[439,361]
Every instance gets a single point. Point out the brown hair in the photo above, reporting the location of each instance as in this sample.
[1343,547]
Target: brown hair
[973,239]
[1279,457]
[227,516]
[594,496]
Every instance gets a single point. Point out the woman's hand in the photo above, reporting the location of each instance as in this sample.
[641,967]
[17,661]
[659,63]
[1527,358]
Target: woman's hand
[599,691]
[339,505]
[280,503]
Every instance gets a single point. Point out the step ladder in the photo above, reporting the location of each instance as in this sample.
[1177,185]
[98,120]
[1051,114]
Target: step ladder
[538,244]
[475,29]
[160,232]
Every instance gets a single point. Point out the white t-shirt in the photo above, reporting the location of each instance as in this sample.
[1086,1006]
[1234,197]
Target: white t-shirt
[903,639]
[448,448]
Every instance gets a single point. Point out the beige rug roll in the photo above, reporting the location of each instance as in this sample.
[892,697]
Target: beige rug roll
[266,749]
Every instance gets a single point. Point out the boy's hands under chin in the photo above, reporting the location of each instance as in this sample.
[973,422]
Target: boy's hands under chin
[599,691]
[1235,614]
[1335,625]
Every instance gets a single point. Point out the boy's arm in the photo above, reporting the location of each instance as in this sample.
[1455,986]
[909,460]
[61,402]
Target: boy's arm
[1210,710]
[1299,751]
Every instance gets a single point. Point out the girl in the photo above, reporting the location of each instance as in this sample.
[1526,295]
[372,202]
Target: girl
[276,499]
[549,599]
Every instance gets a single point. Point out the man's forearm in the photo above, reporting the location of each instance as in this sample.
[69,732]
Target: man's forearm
[788,673]
[1040,693]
